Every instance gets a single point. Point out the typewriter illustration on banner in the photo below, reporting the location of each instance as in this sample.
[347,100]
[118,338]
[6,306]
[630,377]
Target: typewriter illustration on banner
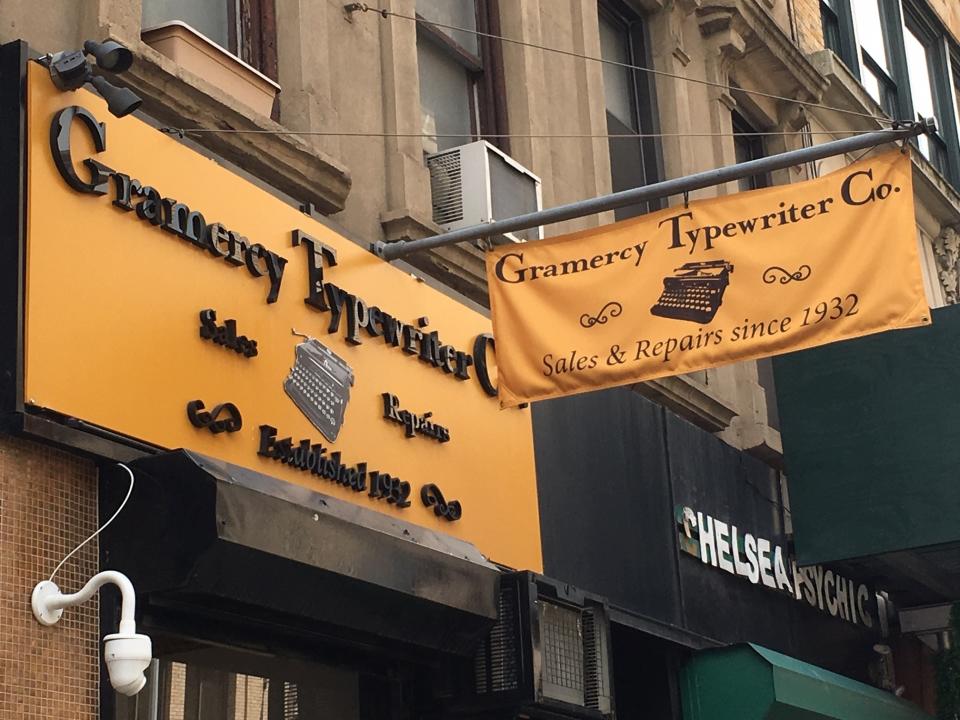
[695,292]
[319,384]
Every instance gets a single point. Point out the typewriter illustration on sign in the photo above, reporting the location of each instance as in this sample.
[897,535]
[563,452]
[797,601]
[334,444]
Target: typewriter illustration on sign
[319,384]
[695,292]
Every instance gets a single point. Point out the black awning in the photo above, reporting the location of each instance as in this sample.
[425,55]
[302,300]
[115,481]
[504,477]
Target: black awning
[211,533]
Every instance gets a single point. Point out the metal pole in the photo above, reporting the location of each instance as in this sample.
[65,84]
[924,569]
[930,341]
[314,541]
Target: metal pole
[395,250]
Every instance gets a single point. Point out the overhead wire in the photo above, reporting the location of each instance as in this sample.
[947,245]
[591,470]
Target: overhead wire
[383,12]
[101,528]
[181,131]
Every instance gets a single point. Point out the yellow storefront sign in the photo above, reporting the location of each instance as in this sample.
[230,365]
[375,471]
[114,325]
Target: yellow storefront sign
[722,280]
[171,301]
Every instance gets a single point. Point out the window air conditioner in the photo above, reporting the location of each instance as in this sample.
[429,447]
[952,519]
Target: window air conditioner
[478,183]
[548,656]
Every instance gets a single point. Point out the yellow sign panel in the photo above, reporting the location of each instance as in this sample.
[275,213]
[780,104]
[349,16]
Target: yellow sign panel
[174,302]
[727,279]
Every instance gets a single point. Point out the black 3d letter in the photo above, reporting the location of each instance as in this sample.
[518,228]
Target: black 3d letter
[60,147]
[480,345]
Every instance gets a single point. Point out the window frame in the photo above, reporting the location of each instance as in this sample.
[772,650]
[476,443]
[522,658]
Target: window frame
[943,60]
[842,16]
[936,43]
[642,86]
[755,146]
[484,72]
[257,26]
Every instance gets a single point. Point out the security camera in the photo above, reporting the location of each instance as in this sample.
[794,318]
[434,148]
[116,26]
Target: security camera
[126,653]
[127,656]
[69,70]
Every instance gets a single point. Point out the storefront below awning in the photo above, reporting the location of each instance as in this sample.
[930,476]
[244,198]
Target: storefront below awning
[201,533]
[749,682]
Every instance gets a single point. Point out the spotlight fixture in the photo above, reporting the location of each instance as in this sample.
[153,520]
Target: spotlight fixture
[70,70]
[120,101]
[109,55]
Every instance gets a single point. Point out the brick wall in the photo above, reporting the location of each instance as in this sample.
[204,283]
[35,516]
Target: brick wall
[806,14]
[48,505]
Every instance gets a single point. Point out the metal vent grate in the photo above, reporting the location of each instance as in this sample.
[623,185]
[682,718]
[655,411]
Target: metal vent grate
[562,634]
[497,663]
[595,652]
[446,187]
[291,701]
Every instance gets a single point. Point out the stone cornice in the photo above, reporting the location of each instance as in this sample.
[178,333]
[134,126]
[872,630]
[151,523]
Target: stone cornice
[785,69]
[282,160]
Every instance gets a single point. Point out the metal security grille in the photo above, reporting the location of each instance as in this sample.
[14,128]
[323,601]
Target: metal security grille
[446,187]
[595,654]
[562,652]
[291,704]
[497,664]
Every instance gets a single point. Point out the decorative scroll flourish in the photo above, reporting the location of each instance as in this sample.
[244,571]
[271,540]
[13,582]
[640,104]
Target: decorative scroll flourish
[611,309]
[224,417]
[432,497]
[775,272]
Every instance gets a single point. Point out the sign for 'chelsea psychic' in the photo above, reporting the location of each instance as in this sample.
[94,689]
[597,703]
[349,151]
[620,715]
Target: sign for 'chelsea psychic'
[732,278]
[171,301]
[757,560]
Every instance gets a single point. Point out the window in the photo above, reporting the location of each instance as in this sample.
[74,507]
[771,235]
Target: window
[748,147]
[835,17]
[903,60]
[875,55]
[195,680]
[955,72]
[628,92]
[461,87]
[246,28]
[918,52]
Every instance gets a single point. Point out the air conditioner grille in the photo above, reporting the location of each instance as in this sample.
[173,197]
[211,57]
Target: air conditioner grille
[446,187]
[497,664]
[562,646]
[595,652]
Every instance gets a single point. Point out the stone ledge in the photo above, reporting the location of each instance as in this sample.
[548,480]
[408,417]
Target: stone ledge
[690,400]
[461,267]
[284,161]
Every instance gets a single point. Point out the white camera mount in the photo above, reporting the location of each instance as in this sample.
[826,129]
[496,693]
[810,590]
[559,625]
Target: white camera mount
[126,653]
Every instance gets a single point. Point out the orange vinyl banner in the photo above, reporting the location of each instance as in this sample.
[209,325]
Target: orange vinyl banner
[722,280]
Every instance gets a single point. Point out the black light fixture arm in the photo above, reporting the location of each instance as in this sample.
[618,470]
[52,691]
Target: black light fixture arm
[70,70]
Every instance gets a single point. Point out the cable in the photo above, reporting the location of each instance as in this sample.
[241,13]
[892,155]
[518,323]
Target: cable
[181,132]
[363,7]
[100,529]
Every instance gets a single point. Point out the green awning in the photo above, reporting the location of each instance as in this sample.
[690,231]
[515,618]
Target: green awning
[749,682]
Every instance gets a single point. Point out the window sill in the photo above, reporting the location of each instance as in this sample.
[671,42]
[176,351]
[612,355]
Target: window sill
[689,399]
[176,96]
